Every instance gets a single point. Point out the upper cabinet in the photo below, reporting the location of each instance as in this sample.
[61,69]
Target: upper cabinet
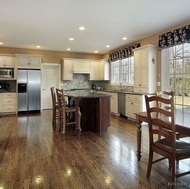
[67,69]
[99,70]
[145,69]
[7,61]
[104,70]
[81,66]
[28,61]
[94,70]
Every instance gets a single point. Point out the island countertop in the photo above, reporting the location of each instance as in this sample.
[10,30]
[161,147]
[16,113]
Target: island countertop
[85,94]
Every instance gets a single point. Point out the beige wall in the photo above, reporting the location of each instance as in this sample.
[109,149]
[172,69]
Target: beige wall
[49,56]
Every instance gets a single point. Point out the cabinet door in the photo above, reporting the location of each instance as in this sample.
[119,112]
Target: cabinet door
[144,68]
[67,70]
[7,61]
[94,70]
[81,66]
[29,62]
[137,69]
[103,70]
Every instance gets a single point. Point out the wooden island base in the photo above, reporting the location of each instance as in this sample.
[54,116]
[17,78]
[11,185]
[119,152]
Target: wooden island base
[94,107]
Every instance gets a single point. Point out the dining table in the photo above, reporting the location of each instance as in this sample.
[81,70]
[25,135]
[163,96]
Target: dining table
[182,125]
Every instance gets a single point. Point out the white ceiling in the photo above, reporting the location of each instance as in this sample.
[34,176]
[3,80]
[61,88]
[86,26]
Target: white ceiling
[50,23]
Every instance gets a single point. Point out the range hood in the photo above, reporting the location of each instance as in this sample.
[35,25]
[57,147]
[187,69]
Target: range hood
[81,67]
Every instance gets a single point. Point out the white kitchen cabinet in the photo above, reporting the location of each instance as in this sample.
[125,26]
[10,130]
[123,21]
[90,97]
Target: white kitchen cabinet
[81,66]
[94,70]
[8,102]
[7,61]
[28,61]
[67,69]
[104,70]
[134,103]
[145,69]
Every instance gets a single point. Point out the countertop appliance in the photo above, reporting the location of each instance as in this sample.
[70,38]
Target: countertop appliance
[29,90]
[121,103]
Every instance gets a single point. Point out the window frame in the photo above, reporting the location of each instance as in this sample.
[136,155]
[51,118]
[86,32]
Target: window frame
[122,67]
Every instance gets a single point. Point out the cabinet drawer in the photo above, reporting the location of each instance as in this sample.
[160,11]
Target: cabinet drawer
[8,108]
[136,98]
[141,89]
[8,95]
[8,101]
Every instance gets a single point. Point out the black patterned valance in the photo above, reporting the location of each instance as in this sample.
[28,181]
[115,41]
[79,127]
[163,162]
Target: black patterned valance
[122,53]
[175,37]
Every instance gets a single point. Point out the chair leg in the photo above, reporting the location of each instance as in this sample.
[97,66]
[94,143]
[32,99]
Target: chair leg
[149,163]
[173,173]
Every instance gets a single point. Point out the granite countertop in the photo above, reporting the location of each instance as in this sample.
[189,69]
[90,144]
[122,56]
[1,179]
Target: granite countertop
[85,94]
[127,92]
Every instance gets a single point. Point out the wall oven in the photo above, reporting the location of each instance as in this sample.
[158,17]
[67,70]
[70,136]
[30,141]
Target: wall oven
[6,72]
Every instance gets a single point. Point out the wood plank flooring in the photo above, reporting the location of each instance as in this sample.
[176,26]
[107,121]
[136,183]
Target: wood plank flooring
[33,155]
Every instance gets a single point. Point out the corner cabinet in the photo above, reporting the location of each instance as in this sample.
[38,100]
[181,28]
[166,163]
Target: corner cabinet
[67,69]
[145,69]
[28,61]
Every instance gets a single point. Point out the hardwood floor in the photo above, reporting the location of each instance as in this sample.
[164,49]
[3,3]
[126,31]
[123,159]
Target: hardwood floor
[33,155]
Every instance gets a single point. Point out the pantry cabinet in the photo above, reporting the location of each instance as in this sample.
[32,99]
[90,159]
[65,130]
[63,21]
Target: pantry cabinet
[8,102]
[28,61]
[145,69]
[7,61]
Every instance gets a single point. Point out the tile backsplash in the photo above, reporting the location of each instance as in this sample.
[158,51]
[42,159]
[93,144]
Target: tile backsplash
[81,81]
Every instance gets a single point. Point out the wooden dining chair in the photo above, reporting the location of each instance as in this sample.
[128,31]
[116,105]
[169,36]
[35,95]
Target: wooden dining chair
[168,94]
[168,146]
[54,107]
[67,115]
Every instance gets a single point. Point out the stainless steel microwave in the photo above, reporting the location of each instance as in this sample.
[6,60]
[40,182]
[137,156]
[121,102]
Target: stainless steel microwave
[6,73]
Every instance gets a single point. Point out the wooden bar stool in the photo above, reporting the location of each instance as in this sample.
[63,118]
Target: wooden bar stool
[67,115]
[54,107]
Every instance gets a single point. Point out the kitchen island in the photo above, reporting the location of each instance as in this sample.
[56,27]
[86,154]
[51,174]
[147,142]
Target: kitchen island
[94,107]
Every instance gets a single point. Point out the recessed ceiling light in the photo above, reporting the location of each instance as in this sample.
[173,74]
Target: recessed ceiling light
[81,28]
[38,46]
[124,38]
[71,39]
[96,51]
[1,43]
[68,49]
[107,46]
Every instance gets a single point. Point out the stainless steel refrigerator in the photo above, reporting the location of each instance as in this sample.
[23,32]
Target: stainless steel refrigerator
[29,90]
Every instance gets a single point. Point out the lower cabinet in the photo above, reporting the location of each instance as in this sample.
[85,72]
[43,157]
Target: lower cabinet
[8,102]
[134,103]
[113,101]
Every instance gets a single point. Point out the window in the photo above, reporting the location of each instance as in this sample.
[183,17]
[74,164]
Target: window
[122,72]
[176,73]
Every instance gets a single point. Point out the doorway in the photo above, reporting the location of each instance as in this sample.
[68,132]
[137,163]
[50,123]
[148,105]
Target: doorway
[51,77]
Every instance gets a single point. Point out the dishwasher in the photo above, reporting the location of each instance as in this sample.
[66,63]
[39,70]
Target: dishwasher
[121,103]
